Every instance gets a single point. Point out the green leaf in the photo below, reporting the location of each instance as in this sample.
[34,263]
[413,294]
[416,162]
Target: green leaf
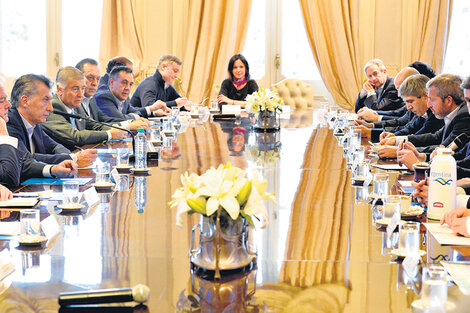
[244,193]
[248,218]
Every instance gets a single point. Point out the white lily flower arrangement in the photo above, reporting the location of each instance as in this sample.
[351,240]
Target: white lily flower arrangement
[226,187]
[263,157]
[263,100]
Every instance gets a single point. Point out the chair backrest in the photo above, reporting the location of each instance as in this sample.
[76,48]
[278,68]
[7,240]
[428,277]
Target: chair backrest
[295,93]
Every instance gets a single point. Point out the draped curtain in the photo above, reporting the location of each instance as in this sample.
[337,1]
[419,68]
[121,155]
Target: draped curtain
[341,48]
[204,34]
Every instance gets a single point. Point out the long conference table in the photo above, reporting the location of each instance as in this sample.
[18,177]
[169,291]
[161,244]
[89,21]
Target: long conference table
[321,251]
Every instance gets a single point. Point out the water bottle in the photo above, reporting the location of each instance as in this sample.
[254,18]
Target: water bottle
[140,193]
[140,149]
[442,184]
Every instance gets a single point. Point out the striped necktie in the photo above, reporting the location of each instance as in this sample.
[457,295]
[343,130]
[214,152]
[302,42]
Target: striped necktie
[72,120]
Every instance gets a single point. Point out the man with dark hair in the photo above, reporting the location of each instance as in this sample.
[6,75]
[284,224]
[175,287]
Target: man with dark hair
[157,88]
[17,165]
[31,98]
[114,101]
[69,131]
[89,68]
[116,61]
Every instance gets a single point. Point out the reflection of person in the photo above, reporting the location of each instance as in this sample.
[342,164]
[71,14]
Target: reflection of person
[235,89]
[158,87]
[378,92]
[237,139]
[171,154]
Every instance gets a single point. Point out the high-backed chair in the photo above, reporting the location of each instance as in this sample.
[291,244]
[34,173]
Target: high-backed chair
[295,93]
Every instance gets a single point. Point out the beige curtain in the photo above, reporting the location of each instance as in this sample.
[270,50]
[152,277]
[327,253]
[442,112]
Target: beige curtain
[342,37]
[216,30]
[425,31]
[122,32]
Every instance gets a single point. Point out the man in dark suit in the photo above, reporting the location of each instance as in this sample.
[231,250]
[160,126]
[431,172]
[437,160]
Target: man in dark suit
[89,68]
[158,88]
[378,92]
[72,132]
[31,98]
[446,102]
[17,165]
[116,61]
[114,101]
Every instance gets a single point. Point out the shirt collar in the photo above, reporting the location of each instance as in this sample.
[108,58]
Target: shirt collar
[86,101]
[449,117]
[29,127]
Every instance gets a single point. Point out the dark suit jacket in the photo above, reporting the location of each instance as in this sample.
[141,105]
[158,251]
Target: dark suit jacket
[104,81]
[98,115]
[460,124]
[387,100]
[389,115]
[61,130]
[11,161]
[422,125]
[46,149]
[400,121]
[152,89]
[109,104]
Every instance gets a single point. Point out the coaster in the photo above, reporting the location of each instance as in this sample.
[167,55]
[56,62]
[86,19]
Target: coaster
[140,171]
[420,305]
[71,206]
[31,240]
[104,187]
[123,168]
[401,252]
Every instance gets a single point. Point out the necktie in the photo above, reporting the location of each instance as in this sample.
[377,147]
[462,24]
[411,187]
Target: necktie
[30,135]
[72,120]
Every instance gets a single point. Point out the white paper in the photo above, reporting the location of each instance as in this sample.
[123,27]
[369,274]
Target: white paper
[445,236]
[231,109]
[19,202]
[406,183]
[460,273]
[391,167]
[50,227]
[410,262]
[91,196]
[10,228]
[393,224]
[116,175]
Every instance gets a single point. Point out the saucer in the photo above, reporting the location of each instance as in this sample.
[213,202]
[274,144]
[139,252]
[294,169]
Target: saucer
[71,206]
[31,240]
[123,168]
[140,170]
[401,252]
[384,222]
[419,305]
[105,186]
[413,212]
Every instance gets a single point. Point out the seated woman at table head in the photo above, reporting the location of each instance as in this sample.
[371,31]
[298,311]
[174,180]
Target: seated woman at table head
[235,89]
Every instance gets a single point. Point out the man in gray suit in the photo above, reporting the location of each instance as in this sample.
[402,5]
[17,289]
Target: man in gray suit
[89,68]
[72,132]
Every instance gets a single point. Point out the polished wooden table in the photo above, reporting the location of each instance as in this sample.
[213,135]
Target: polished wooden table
[321,251]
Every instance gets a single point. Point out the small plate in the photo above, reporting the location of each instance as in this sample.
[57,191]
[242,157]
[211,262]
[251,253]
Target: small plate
[31,240]
[384,222]
[413,213]
[71,206]
[123,168]
[419,305]
[401,252]
[106,186]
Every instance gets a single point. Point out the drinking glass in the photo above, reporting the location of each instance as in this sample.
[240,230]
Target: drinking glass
[405,203]
[29,222]
[409,237]
[122,157]
[391,207]
[102,173]
[214,105]
[380,189]
[70,191]
[361,173]
[434,292]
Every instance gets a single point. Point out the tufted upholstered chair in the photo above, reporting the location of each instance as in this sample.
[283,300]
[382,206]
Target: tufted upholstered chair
[295,93]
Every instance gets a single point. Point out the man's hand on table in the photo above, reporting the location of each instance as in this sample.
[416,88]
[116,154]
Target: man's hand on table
[463,181]
[139,123]
[421,191]
[118,134]
[86,157]
[368,115]
[5,193]
[365,132]
[434,153]
[363,123]
[407,158]
[384,135]
[457,221]
[66,168]
[388,152]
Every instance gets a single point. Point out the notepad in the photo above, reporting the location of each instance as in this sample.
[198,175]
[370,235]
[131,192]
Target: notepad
[19,203]
[445,236]
[460,274]
[391,167]
[55,181]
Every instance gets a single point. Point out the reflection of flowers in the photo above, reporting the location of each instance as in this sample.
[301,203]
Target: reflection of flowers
[263,100]
[264,157]
[226,187]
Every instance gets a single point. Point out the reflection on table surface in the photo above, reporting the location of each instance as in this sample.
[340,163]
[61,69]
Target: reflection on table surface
[320,252]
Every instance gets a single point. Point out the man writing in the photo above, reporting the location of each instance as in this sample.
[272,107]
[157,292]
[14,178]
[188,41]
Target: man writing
[158,87]
[31,98]
[72,132]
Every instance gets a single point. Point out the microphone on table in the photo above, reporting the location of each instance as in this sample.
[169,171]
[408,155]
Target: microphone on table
[80,117]
[459,142]
[139,293]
